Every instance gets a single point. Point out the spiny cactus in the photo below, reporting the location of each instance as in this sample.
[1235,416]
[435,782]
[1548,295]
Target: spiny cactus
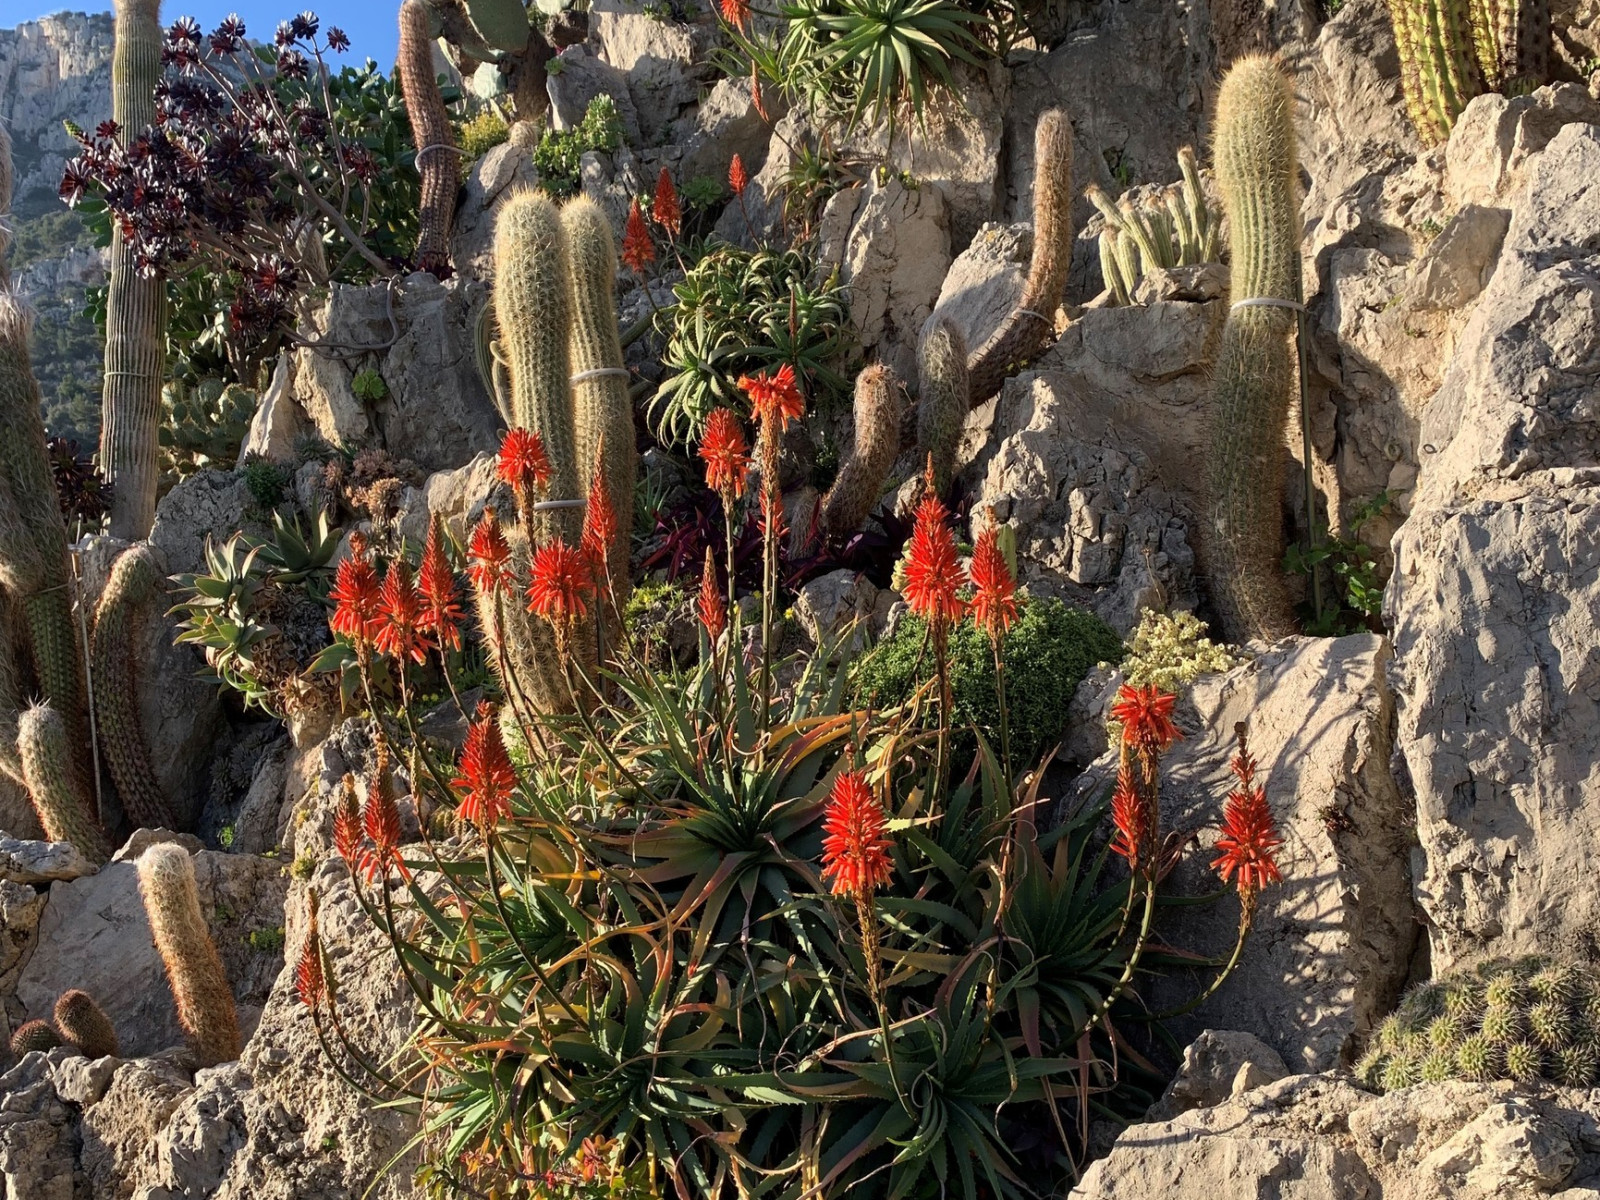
[1175,229]
[1031,325]
[877,442]
[942,390]
[1452,50]
[84,1023]
[135,585]
[602,409]
[194,969]
[1524,1019]
[10,691]
[136,307]
[433,136]
[6,183]
[59,796]
[34,1035]
[532,307]
[1255,164]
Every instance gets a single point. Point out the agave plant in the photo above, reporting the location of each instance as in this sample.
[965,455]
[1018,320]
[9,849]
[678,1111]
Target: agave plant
[718,931]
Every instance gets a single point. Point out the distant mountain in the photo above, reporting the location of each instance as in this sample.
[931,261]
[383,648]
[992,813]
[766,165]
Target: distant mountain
[53,70]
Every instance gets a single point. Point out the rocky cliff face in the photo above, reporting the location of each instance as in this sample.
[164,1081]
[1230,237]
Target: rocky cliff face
[52,70]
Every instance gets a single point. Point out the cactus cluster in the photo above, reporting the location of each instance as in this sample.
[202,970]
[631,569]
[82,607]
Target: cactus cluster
[136,305]
[79,1022]
[1453,50]
[554,300]
[1174,229]
[194,969]
[433,136]
[865,468]
[1524,1019]
[1252,382]
[1031,324]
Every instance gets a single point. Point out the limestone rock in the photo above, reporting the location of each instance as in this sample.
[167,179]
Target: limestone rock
[419,335]
[1496,136]
[723,124]
[828,604]
[1217,1065]
[576,78]
[1094,525]
[1331,945]
[93,935]
[41,862]
[501,172]
[208,504]
[120,1127]
[20,908]
[663,61]
[891,245]
[1495,600]
[985,281]
[38,1157]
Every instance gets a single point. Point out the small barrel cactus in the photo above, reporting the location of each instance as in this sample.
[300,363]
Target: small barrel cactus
[1531,1018]
[84,1023]
[35,1035]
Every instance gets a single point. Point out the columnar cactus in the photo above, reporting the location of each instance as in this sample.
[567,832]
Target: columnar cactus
[194,969]
[1031,325]
[1512,39]
[1439,67]
[6,182]
[602,409]
[1253,377]
[134,586]
[34,1035]
[877,441]
[136,307]
[532,305]
[10,692]
[1527,1019]
[54,784]
[84,1023]
[942,390]
[431,132]
[1179,231]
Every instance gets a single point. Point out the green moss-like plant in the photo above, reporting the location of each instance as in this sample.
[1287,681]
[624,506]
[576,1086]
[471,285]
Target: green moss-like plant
[1047,652]
[1523,1019]
[481,134]
[84,1023]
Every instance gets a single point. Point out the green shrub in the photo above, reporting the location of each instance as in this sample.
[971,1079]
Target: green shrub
[481,134]
[1047,652]
[266,481]
[559,154]
[1171,650]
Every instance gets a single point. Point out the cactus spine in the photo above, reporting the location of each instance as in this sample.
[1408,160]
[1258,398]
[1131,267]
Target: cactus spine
[1031,325]
[942,390]
[136,308]
[877,442]
[602,409]
[57,790]
[134,585]
[34,1035]
[84,1023]
[1526,1019]
[1512,40]
[1255,164]
[434,139]
[194,969]
[10,694]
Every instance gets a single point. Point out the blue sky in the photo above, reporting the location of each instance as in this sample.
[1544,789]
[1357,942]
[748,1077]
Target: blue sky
[371,24]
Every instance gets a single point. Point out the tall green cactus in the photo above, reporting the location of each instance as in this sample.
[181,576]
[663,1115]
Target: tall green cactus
[877,441]
[136,308]
[942,391]
[532,305]
[59,797]
[1030,326]
[1512,39]
[602,409]
[84,1023]
[194,968]
[1453,50]
[433,136]
[10,691]
[6,183]
[1254,155]
[134,587]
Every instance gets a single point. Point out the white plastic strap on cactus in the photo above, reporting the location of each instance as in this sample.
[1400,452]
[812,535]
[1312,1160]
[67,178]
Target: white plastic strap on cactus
[599,373]
[1267,302]
[551,505]
[437,146]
